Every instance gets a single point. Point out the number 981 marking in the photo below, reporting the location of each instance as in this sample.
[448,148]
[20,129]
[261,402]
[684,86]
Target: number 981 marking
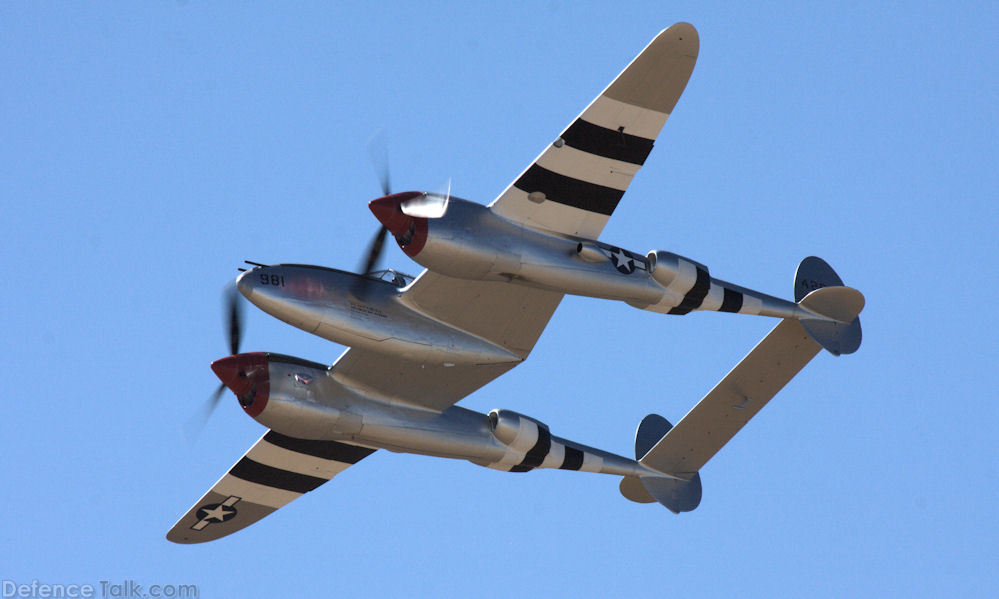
[274,280]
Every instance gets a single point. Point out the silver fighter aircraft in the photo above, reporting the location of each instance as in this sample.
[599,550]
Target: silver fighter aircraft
[494,276]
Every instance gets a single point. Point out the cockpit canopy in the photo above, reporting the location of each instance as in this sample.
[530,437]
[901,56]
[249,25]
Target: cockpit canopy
[399,279]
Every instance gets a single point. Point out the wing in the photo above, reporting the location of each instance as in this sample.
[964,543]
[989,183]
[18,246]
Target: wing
[276,470]
[512,316]
[577,181]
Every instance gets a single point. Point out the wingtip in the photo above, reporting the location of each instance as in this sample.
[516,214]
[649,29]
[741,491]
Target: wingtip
[682,32]
[174,537]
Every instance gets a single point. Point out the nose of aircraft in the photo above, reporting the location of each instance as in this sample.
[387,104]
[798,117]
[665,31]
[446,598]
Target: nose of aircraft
[245,284]
[388,211]
[246,375]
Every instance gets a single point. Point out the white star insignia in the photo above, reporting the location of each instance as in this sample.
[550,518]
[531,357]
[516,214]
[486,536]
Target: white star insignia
[218,514]
[622,260]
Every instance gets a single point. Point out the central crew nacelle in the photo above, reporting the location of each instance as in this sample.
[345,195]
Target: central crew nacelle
[469,241]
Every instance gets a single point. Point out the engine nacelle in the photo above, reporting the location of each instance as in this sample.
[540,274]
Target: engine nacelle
[674,272]
[472,242]
[285,394]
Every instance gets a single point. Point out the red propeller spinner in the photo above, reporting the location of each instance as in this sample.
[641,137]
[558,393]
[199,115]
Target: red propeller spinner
[246,375]
[410,232]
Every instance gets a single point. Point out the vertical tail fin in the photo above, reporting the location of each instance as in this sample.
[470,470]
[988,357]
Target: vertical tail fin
[819,289]
[677,494]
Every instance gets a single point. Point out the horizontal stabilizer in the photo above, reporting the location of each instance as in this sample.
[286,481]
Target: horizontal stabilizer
[734,401]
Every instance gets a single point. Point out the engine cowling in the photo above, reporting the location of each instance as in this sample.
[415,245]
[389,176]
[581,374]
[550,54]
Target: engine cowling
[279,392]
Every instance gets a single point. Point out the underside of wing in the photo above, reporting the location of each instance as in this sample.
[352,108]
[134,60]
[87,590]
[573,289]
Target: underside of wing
[394,380]
[577,181]
[509,316]
[276,470]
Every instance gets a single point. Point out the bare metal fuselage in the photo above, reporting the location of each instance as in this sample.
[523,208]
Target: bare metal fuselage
[308,401]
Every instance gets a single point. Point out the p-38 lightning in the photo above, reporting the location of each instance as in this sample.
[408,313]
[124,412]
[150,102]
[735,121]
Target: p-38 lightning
[493,277]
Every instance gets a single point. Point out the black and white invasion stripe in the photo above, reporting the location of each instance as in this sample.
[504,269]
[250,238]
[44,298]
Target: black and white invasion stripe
[537,454]
[553,452]
[562,187]
[710,294]
[695,296]
[279,468]
[578,180]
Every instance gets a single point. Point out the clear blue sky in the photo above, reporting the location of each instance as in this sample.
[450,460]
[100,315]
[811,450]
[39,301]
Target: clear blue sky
[146,149]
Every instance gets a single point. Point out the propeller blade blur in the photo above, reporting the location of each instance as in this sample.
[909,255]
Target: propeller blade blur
[234,308]
[374,251]
[196,423]
[378,152]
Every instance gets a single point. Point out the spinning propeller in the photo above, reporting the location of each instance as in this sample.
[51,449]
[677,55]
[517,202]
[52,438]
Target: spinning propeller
[234,312]
[378,152]
[411,204]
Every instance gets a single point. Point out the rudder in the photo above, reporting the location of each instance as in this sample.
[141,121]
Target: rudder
[678,495]
[815,288]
